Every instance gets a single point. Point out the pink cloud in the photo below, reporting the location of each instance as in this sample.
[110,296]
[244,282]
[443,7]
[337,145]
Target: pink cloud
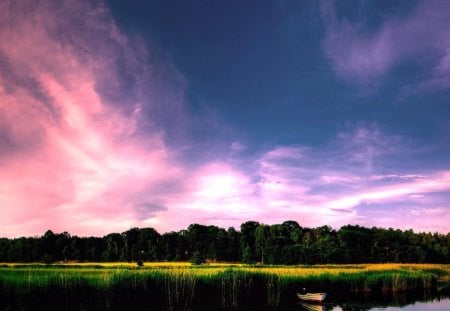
[326,185]
[71,159]
[215,193]
[80,161]
[365,55]
[315,186]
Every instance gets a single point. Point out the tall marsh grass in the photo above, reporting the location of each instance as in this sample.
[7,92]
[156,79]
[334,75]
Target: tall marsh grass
[182,286]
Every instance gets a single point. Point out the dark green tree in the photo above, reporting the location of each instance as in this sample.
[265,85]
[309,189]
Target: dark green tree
[248,241]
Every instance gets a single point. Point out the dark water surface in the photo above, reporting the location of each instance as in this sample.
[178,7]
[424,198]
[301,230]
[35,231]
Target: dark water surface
[423,301]
[434,304]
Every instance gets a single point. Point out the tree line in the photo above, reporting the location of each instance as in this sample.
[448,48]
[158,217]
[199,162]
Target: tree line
[286,243]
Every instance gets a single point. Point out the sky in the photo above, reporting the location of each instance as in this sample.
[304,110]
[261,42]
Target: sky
[118,114]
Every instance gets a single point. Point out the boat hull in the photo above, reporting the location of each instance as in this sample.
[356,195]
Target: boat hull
[312,297]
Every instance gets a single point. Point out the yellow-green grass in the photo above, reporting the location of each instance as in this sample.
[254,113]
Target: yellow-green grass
[108,270]
[172,285]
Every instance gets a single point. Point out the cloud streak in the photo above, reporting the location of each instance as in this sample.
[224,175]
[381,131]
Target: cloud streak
[364,55]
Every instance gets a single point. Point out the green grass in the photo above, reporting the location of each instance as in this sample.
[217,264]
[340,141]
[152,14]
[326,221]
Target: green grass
[180,286]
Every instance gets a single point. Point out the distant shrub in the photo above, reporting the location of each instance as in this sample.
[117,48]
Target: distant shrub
[198,258]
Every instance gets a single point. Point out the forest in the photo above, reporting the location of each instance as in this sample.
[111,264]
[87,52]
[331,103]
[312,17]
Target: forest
[287,243]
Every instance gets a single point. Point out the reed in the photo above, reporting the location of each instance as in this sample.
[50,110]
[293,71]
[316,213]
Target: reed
[182,286]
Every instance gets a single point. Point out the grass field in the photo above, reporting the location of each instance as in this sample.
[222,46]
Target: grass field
[172,286]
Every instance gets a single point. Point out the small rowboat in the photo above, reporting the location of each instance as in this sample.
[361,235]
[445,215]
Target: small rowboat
[312,297]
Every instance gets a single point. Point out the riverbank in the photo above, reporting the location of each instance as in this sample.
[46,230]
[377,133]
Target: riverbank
[182,286]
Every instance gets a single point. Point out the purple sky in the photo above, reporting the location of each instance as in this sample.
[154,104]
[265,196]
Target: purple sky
[165,115]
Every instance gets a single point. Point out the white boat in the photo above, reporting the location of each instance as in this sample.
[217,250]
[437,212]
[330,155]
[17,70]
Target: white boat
[313,297]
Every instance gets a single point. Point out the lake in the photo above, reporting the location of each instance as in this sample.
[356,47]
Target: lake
[435,304]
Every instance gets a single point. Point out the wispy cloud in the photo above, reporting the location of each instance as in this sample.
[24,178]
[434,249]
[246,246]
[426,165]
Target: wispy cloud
[329,184]
[364,55]
[73,156]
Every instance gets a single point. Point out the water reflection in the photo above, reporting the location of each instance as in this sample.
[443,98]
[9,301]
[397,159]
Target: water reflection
[312,307]
[436,304]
